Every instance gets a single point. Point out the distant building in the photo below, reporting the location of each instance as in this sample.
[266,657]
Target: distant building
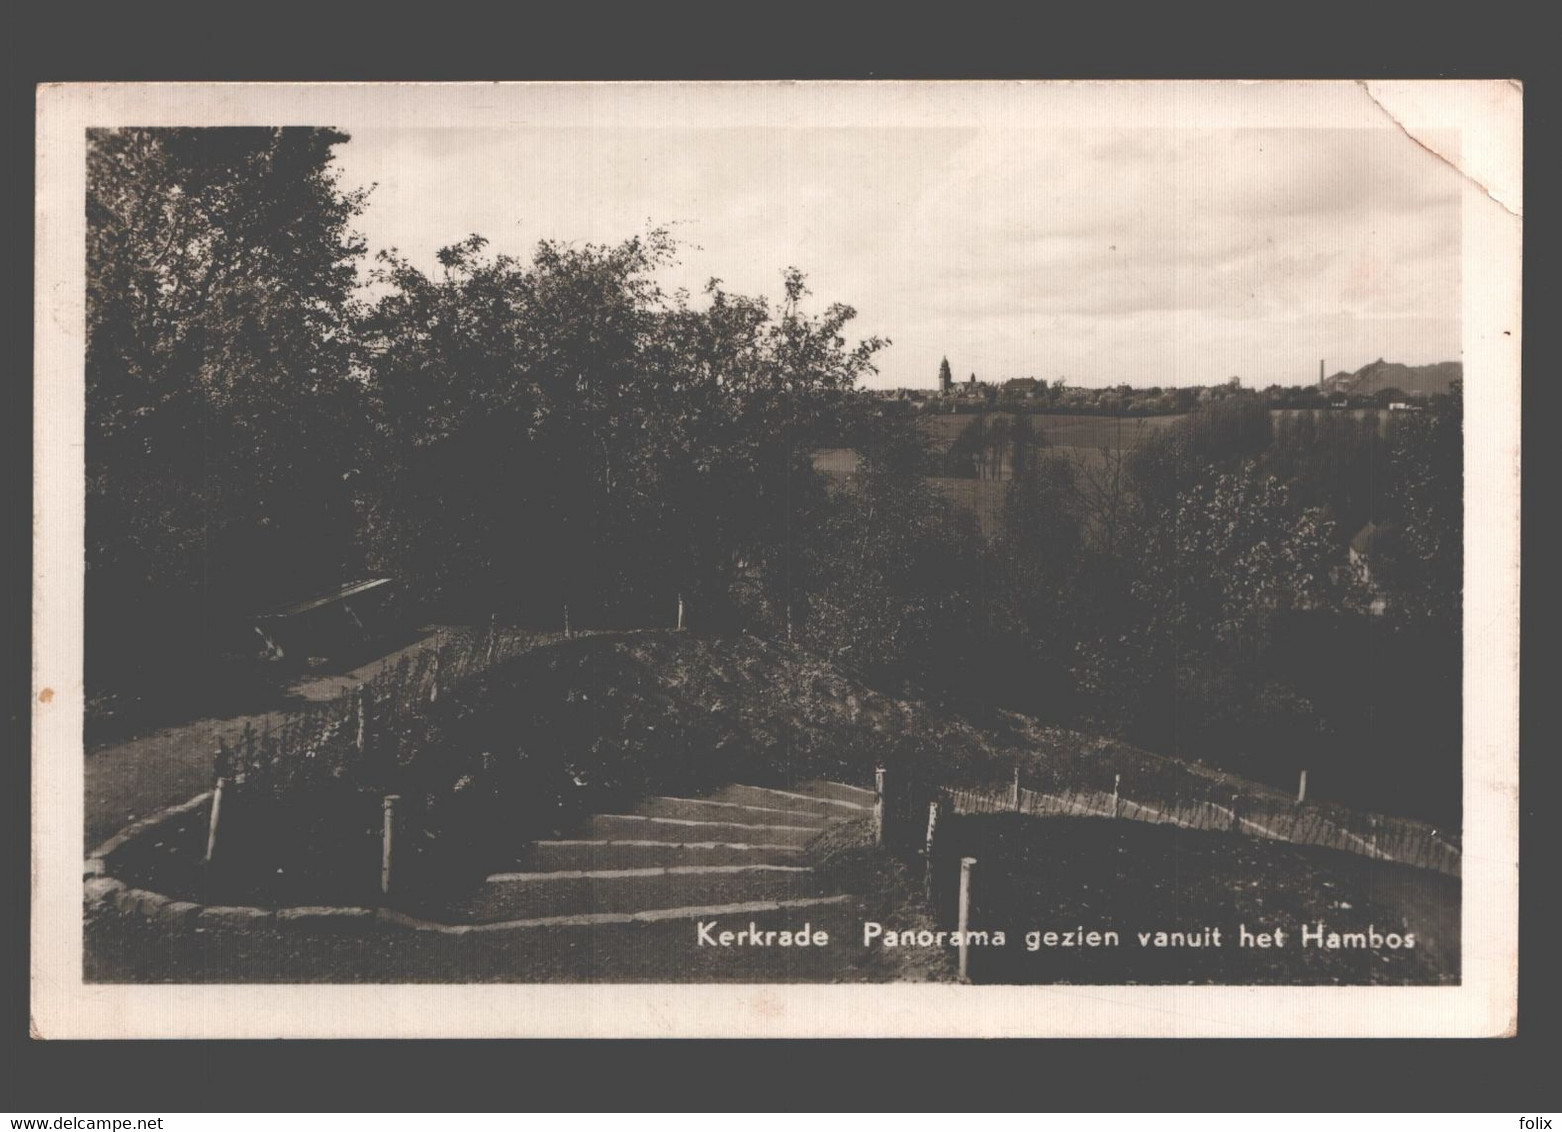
[1020,387]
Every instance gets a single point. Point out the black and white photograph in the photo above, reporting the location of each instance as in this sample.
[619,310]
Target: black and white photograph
[758,559]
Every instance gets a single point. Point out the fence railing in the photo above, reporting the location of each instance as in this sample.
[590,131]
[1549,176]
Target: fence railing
[1386,839]
[907,816]
[352,753]
[1395,840]
[358,734]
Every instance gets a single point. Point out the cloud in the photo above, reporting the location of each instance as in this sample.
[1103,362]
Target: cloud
[1092,252]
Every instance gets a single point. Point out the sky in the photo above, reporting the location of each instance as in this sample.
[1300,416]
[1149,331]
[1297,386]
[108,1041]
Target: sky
[1101,255]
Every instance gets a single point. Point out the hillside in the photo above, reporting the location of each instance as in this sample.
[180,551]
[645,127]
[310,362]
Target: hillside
[659,708]
[1377,376]
[611,717]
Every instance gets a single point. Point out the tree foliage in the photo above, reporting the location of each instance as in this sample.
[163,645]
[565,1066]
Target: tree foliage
[565,432]
[223,416]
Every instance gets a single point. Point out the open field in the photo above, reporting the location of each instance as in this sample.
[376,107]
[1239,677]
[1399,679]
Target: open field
[983,498]
[1083,439]
[1076,437]
[1062,430]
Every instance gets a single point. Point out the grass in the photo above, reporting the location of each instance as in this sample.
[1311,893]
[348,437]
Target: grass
[659,705]
[1063,874]
[1080,438]
[672,712]
[983,498]
[170,764]
[126,949]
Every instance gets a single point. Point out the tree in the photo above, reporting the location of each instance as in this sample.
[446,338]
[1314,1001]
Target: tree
[650,446]
[1103,482]
[1181,653]
[892,563]
[1421,544]
[224,424]
[967,454]
[999,437]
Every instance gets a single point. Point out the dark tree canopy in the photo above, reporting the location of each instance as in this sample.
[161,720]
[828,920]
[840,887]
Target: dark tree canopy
[564,432]
[224,420]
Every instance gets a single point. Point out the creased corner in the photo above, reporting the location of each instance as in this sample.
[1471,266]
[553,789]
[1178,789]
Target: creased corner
[1499,179]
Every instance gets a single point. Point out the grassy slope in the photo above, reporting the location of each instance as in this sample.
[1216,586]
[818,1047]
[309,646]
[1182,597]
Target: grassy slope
[759,711]
[133,778]
[120,948]
[783,714]
[786,713]
[1067,873]
[1062,430]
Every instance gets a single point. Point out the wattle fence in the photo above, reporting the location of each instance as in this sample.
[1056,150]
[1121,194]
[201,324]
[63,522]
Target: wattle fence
[357,746]
[911,814]
[907,813]
[361,732]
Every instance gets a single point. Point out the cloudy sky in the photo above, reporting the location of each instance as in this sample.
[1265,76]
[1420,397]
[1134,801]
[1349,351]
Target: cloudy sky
[1152,256]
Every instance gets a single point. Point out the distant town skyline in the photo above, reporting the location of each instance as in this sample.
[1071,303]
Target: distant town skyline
[1323,371]
[1103,256]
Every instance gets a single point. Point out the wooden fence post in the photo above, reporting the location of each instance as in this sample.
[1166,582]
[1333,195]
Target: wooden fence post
[878,806]
[1117,801]
[387,837]
[680,613]
[1014,791]
[361,737]
[932,822]
[1301,789]
[1236,815]
[493,638]
[211,829]
[966,864]
[433,687]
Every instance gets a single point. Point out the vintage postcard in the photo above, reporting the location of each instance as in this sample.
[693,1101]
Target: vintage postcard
[777,559]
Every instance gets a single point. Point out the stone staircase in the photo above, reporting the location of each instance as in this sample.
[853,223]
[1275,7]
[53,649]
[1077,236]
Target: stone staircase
[737,851]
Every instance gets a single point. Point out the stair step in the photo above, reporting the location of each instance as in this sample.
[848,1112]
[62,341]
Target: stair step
[793,802]
[663,947]
[546,856]
[710,809]
[839,791]
[761,908]
[794,830]
[521,896]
